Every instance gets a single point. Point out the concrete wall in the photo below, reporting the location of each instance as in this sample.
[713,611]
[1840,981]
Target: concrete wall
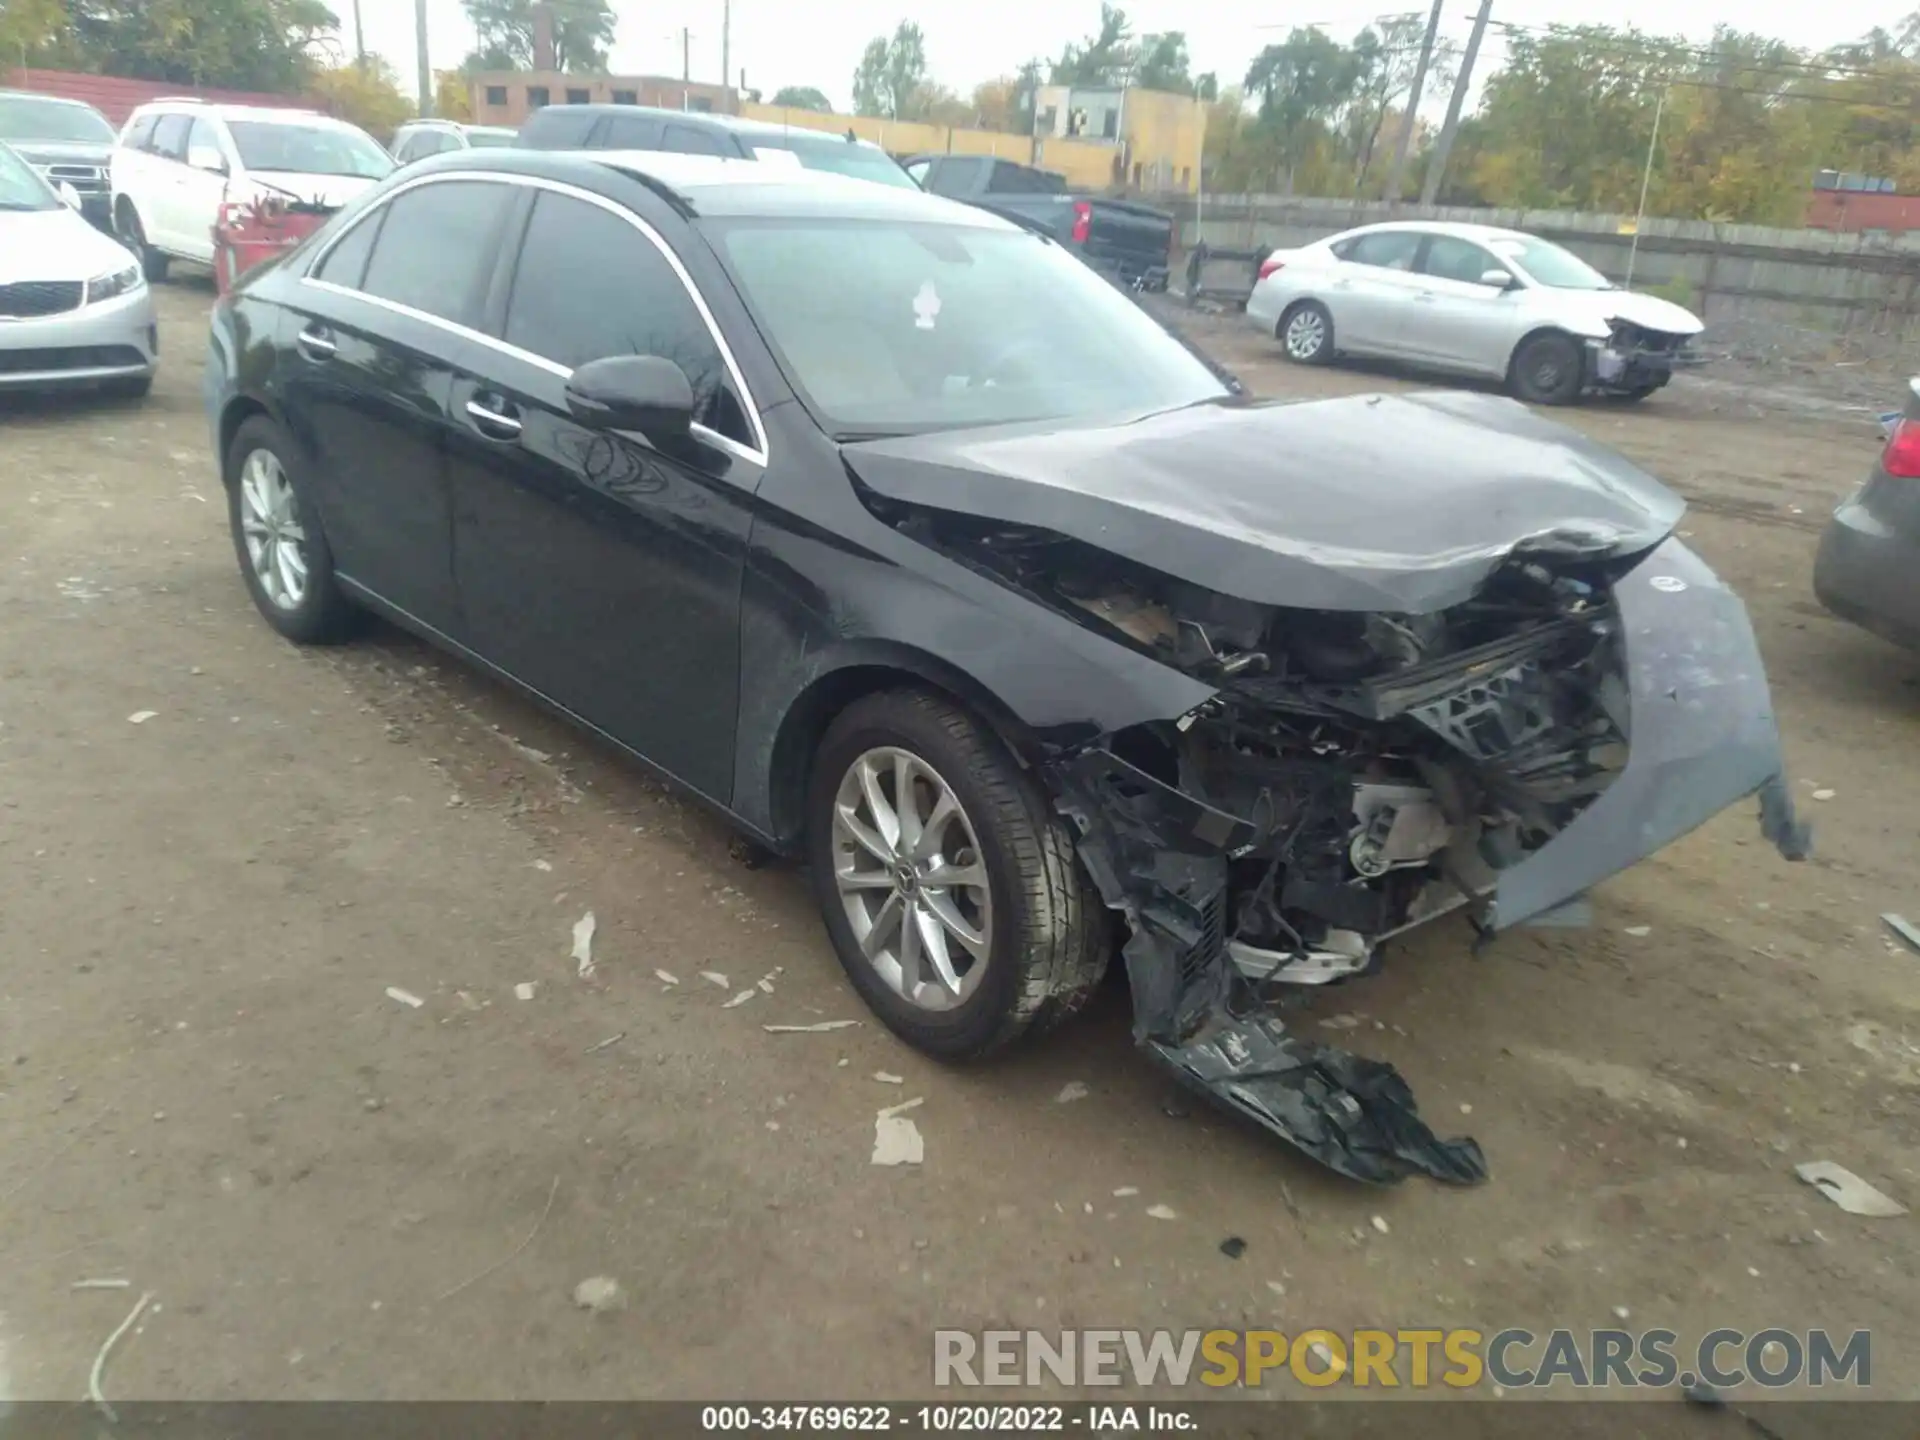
[502,97]
[1756,286]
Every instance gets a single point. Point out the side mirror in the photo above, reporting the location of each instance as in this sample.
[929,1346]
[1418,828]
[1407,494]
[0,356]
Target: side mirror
[643,393]
[1498,279]
[69,196]
[207,157]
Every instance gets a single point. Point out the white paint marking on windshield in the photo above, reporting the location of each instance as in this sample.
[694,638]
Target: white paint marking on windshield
[926,306]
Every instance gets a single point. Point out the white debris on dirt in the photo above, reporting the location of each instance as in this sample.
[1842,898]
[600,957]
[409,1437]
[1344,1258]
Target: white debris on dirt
[1380,1223]
[100,1360]
[546,865]
[740,999]
[667,977]
[523,991]
[1848,1190]
[1278,1287]
[714,977]
[1465,1109]
[896,1139]
[1904,928]
[766,980]
[599,1293]
[1639,932]
[583,929]
[1163,1212]
[607,1043]
[885,1079]
[1125,1190]
[140,717]
[1071,1091]
[405,997]
[1340,1022]
[1620,1312]
[815,1029]
[101,1285]
[1823,794]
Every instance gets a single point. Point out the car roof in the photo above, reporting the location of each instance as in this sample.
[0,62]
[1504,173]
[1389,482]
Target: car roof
[724,186]
[1460,229]
[6,94]
[734,124]
[270,114]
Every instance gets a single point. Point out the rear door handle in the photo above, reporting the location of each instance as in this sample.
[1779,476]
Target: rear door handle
[316,344]
[1425,295]
[492,423]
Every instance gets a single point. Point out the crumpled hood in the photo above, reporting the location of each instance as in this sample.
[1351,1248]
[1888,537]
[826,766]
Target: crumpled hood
[1370,502]
[1650,312]
[331,190]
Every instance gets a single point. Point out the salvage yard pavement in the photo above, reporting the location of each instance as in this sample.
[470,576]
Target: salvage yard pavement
[206,1091]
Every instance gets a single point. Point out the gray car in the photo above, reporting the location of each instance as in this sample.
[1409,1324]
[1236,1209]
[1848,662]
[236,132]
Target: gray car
[67,141]
[74,308]
[1868,568]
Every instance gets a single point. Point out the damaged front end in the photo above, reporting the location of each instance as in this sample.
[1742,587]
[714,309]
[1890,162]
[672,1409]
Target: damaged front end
[1494,727]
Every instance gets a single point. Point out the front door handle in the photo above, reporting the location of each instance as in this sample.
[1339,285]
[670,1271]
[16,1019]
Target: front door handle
[494,424]
[316,344]
[1426,296]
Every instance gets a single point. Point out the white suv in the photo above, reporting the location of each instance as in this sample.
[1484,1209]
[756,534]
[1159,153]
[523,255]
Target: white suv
[178,162]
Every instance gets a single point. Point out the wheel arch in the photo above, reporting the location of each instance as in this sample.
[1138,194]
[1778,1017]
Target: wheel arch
[870,670]
[235,413]
[1536,332]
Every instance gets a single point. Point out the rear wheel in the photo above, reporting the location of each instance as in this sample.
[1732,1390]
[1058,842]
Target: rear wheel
[134,235]
[1547,370]
[282,550]
[950,890]
[1306,333]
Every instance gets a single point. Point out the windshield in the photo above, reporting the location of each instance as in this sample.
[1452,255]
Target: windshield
[892,327]
[20,187]
[309,149]
[24,118]
[842,157]
[491,139]
[1549,265]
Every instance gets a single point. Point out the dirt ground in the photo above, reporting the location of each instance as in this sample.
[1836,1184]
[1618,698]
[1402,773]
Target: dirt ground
[205,1089]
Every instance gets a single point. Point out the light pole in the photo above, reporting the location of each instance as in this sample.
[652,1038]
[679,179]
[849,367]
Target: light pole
[1646,179]
[426,67]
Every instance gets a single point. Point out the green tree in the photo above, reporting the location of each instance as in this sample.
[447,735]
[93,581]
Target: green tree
[1162,64]
[503,30]
[1106,57]
[1302,84]
[271,45]
[1385,57]
[801,97]
[890,72]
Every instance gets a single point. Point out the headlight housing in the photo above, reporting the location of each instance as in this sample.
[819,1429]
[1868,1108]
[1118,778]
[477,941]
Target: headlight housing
[114,284]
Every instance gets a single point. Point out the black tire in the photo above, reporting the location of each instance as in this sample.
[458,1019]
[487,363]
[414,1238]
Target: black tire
[136,388]
[1549,370]
[1636,394]
[133,235]
[1050,938]
[1312,318]
[324,615]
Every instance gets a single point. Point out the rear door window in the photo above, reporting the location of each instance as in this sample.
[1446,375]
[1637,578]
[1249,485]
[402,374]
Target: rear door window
[346,263]
[627,132]
[589,285]
[170,136]
[139,134]
[435,249]
[1450,258]
[1388,249]
[691,140]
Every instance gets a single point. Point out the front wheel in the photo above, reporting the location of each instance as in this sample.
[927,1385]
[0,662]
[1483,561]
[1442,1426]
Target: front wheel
[950,890]
[1547,370]
[1306,333]
[153,264]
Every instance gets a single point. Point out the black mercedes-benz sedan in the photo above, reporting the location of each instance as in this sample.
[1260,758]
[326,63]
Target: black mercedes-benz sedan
[926,555]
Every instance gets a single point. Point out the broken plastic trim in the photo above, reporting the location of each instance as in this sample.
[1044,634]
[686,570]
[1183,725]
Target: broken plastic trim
[1160,857]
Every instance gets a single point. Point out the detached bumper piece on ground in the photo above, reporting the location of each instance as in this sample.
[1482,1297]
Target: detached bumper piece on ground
[1486,696]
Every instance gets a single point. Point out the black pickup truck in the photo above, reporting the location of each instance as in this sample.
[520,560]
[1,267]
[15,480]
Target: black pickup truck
[1129,241]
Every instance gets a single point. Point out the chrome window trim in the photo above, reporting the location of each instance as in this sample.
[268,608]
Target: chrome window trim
[758,454]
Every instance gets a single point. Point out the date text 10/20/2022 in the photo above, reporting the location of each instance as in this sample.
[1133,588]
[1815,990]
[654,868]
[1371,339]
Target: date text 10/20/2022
[1087,1419]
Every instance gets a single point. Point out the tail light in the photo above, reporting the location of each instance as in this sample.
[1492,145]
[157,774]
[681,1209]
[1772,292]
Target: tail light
[1272,265]
[1901,458]
[1082,221]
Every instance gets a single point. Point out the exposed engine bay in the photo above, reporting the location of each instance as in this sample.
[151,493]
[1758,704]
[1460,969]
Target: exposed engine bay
[1353,775]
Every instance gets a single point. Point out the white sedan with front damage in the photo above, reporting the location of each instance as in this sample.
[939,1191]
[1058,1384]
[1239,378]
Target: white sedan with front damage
[74,308]
[1472,300]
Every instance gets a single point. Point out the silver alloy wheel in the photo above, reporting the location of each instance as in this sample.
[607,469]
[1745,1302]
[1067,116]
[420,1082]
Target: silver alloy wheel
[276,544]
[1306,333]
[912,879]
[1548,373]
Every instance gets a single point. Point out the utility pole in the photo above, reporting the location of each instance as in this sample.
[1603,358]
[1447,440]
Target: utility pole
[1646,179]
[426,66]
[1411,112]
[359,38]
[726,50]
[686,55]
[1437,166]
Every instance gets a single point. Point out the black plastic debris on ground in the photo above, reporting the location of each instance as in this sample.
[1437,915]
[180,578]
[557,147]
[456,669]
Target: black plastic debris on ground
[1233,1247]
[1353,1115]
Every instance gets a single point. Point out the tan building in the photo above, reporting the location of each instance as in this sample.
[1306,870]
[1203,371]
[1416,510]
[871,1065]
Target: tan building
[508,97]
[1154,138]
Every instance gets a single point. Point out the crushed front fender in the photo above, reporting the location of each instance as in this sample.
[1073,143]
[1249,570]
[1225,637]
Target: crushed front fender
[1701,737]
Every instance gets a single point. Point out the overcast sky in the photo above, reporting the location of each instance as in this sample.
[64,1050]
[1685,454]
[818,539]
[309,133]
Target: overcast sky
[780,43]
